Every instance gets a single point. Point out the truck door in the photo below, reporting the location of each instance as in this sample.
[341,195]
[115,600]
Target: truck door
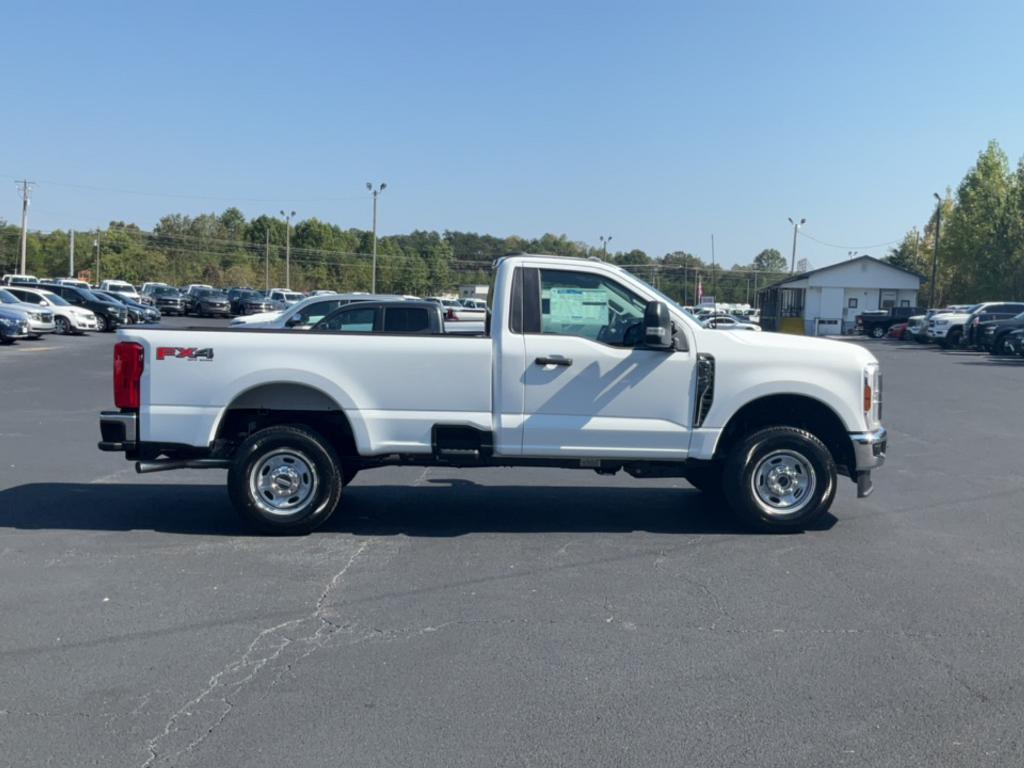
[590,388]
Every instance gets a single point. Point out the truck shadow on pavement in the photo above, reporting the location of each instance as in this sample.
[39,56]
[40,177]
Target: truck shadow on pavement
[442,508]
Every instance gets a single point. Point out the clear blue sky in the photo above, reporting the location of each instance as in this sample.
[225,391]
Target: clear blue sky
[655,123]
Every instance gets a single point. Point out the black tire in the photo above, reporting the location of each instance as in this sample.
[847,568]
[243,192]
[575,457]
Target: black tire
[299,457]
[63,326]
[1000,348]
[774,449]
[952,340]
[877,332]
[6,342]
[101,323]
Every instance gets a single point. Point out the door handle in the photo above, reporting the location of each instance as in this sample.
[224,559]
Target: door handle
[558,360]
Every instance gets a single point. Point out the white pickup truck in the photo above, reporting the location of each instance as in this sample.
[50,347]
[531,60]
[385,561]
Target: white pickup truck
[582,365]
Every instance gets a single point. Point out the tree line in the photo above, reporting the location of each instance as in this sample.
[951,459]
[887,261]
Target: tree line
[227,249]
[980,233]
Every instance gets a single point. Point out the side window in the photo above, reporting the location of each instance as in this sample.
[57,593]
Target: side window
[316,312]
[355,320]
[851,303]
[406,320]
[31,298]
[591,306]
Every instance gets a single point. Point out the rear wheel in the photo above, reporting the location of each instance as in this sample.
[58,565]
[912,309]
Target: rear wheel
[285,480]
[780,479]
[877,332]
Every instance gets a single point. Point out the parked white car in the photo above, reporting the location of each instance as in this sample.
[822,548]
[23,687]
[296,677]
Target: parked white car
[286,297]
[67,318]
[729,323]
[121,288]
[19,280]
[304,314]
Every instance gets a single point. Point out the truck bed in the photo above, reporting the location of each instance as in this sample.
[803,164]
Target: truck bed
[368,375]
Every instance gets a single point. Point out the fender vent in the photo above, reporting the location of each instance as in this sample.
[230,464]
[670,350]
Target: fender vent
[705,388]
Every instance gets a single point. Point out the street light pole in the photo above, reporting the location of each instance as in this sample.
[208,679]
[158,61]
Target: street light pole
[376,193]
[935,251]
[796,227]
[288,249]
[96,243]
[604,246]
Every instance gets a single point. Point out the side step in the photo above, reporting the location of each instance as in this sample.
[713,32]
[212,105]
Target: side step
[460,445]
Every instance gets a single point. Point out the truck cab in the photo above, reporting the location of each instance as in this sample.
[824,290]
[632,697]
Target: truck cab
[581,365]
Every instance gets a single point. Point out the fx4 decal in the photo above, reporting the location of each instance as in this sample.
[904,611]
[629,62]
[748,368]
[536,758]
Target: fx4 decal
[184,353]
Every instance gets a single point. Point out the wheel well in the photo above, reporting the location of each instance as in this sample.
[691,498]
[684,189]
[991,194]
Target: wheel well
[790,411]
[273,404]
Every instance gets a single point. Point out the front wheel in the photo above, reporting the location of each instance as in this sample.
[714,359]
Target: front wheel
[63,326]
[1001,347]
[780,479]
[285,480]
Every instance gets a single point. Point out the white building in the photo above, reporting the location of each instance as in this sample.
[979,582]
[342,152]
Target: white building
[827,300]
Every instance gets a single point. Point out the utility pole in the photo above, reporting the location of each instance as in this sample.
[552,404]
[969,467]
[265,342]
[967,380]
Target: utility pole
[26,191]
[288,249]
[796,227]
[714,277]
[71,255]
[376,193]
[604,246]
[935,252]
[96,243]
[267,261]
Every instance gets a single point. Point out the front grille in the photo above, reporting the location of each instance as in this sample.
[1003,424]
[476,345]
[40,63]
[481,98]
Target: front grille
[705,387]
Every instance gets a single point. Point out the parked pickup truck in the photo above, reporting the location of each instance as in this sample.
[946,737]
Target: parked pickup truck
[582,365]
[876,324]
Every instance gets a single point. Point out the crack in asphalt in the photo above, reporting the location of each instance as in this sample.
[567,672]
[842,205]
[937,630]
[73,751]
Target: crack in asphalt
[194,721]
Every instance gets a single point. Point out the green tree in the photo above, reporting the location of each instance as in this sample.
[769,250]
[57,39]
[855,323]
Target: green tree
[769,260]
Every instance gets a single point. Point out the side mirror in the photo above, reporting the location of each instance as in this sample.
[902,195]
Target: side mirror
[657,326]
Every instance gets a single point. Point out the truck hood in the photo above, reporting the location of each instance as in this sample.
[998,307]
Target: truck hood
[797,347]
[951,317]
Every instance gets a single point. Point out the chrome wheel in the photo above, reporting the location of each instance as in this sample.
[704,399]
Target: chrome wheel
[283,483]
[783,483]
[63,326]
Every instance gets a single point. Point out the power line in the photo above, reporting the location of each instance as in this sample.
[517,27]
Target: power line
[849,247]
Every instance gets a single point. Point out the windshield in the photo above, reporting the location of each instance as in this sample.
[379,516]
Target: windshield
[121,288]
[667,299]
[91,296]
[57,301]
[288,296]
[163,290]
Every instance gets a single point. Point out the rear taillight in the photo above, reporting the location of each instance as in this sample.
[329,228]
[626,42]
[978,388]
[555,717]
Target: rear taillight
[450,315]
[128,363]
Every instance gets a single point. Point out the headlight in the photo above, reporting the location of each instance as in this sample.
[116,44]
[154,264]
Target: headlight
[7,323]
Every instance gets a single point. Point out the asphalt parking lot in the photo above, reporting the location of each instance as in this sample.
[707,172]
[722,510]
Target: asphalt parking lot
[511,617]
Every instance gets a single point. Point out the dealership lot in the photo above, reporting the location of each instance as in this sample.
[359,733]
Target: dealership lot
[517,617]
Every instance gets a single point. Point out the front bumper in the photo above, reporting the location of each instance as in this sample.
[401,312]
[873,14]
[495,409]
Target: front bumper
[41,326]
[868,453]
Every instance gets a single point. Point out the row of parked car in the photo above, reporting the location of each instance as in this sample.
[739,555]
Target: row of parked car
[67,305]
[996,327]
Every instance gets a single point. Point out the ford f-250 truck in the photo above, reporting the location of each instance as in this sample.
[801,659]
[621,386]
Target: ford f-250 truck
[582,365]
